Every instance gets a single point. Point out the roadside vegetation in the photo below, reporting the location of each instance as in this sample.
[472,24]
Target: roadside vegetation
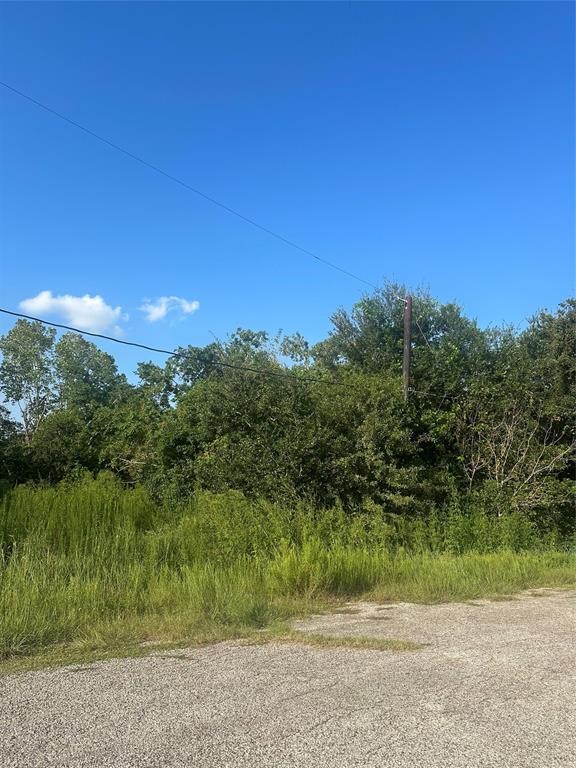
[96,565]
[207,502]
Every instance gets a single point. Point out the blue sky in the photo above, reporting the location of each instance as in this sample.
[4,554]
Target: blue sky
[429,143]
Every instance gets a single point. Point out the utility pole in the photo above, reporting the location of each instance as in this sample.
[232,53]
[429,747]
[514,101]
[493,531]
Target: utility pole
[407,346]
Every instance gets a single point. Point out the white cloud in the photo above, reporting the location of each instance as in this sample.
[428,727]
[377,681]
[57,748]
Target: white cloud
[159,308]
[88,313]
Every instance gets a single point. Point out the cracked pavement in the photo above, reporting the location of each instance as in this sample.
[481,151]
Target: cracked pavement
[494,685]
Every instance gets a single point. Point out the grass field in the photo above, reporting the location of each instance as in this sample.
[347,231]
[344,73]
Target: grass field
[94,570]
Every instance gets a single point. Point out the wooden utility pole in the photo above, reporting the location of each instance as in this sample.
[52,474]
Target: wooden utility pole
[407,346]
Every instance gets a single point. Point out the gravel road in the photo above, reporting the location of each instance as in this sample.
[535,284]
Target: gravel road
[494,685]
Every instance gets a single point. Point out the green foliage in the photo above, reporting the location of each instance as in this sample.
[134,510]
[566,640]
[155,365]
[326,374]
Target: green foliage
[60,445]
[92,559]
[11,448]
[26,371]
[86,376]
[490,426]
[550,343]
[226,500]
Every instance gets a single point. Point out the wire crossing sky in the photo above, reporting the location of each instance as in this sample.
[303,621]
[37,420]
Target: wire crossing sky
[427,143]
[298,378]
[187,186]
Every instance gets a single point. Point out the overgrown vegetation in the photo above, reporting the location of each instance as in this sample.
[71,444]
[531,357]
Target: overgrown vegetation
[228,501]
[96,563]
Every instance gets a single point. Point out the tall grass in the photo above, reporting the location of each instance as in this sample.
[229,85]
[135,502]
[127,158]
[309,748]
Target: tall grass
[97,561]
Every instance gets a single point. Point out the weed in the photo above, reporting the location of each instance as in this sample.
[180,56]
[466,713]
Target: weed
[93,568]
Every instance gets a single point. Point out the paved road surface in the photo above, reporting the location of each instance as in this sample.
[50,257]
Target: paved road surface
[494,686]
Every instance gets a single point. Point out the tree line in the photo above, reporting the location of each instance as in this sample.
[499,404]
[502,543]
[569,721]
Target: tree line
[490,423]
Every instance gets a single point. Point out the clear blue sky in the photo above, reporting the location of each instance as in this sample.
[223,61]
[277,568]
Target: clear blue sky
[430,143]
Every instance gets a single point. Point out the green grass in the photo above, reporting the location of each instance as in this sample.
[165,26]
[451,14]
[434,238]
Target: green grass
[93,571]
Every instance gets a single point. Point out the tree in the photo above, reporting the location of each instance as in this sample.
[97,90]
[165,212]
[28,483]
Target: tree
[157,383]
[514,447]
[550,343]
[26,372]
[10,447]
[61,444]
[490,425]
[86,376]
[448,348]
[368,337]
[124,435]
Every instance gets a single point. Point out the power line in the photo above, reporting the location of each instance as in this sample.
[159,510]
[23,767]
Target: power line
[183,355]
[182,183]
[221,364]
[423,334]
[224,207]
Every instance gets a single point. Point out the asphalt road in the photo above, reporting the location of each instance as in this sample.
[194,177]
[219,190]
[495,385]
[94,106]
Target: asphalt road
[494,685]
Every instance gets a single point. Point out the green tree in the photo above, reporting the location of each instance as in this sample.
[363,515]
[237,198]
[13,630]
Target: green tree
[550,343]
[157,383]
[125,436]
[63,443]
[447,348]
[86,376]
[27,373]
[11,449]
